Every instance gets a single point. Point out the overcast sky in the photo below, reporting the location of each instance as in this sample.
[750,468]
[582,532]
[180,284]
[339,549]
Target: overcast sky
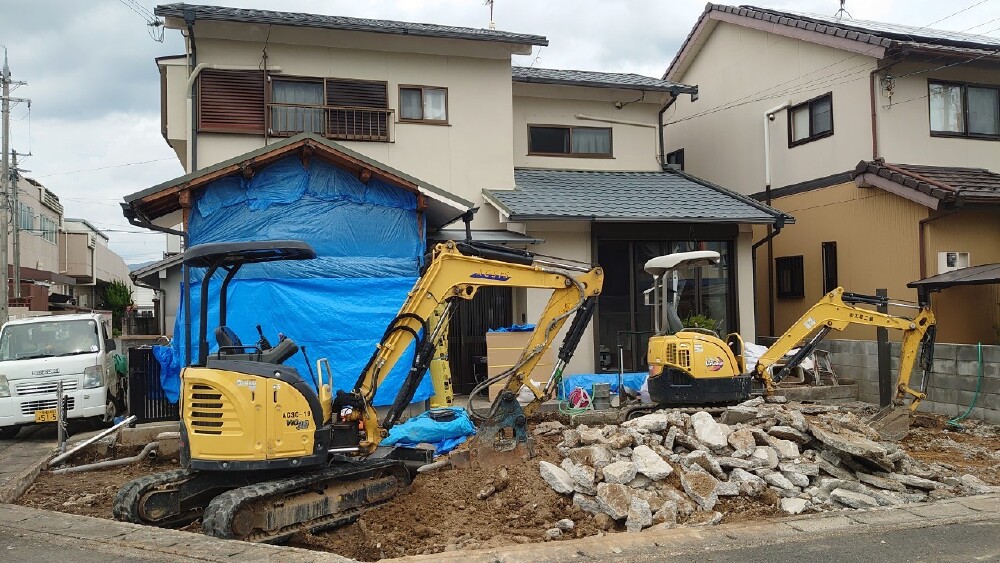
[94,126]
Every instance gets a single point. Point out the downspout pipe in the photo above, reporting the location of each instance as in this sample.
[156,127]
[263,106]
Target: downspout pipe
[871,95]
[922,240]
[771,232]
[674,93]
[193,70]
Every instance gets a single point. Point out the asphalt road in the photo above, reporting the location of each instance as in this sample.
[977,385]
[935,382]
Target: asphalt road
[966,543]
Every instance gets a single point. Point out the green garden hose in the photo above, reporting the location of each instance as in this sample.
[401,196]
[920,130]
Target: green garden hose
[121,364]
[979,383]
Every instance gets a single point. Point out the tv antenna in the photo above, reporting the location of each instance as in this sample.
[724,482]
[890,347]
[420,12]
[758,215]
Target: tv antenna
[490,4]
[843,10]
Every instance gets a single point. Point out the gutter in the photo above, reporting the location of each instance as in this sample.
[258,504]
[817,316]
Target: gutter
[674,93]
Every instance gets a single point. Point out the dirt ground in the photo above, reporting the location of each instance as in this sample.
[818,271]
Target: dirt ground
[442,511]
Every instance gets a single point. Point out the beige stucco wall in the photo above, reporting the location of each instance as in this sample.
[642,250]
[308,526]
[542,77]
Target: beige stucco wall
[904,123]
[877,236]
[744,283]
[753,72]
[570,240]
[634,147]
[473,152]
[36,252]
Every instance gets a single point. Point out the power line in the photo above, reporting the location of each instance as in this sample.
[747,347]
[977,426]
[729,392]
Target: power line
[104,167]
[966,9]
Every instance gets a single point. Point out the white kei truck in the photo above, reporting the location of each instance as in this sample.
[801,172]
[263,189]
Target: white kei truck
[38,352]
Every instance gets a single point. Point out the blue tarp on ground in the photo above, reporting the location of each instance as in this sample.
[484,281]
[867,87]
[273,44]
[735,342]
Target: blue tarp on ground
[445,436]
[369,245]
[587,381]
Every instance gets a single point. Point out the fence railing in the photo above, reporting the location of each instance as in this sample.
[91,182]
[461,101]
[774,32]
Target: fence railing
[146,399]
[339,123]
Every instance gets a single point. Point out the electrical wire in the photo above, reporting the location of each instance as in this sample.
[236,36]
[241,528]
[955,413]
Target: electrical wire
[966,9]
[104,167]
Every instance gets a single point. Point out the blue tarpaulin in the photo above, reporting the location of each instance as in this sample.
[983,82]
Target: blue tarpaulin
[369,244]
[587,381]
[445,435]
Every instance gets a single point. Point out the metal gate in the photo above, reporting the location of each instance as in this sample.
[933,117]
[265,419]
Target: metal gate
[490,308]
[146,399]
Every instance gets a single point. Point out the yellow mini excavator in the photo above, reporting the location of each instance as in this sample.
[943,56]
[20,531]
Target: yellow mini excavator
[694,366]
[264,455]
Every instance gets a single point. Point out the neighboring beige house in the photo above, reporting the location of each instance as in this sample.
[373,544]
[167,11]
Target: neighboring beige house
[87,259]
[38,216]
[878,138]
[567,163]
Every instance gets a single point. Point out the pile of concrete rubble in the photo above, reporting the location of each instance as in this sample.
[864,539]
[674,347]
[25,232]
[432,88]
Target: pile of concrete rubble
[768,451]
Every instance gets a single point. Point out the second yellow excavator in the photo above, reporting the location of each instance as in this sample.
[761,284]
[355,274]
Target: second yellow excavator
[265,454]
[694,366]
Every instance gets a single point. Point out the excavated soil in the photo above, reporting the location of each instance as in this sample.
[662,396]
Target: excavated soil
[442,512]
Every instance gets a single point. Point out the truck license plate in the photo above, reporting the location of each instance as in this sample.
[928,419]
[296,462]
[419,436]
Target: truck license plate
[48,415]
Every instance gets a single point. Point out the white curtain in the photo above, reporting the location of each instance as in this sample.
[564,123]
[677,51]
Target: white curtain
[800,123]
[591,141]
[984,113]
[946,108]
[297,119]
[409,104]
[434,104]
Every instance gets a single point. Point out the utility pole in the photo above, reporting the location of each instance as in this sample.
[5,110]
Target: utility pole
[16,215]
[5,211]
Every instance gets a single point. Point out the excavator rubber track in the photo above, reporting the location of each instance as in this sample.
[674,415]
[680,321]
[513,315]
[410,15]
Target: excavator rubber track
[273,511]
[128,502]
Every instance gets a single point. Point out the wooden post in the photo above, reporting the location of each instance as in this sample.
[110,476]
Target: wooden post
[885,388]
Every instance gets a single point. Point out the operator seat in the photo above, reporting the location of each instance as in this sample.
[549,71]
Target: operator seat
[227,338]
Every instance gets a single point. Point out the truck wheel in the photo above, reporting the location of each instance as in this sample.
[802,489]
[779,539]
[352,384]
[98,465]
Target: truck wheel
[9,432]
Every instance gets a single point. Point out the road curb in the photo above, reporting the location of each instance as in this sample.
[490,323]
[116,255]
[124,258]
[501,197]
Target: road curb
[14,482]
[699,540]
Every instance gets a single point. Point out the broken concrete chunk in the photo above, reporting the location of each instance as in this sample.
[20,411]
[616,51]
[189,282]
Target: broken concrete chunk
[556,477]
[780,481]
[793,505]
[614,500]
[706,461]
[701,487]
[668,439]
[584,477]
[786,448]
[571,438]
[667,514]
[604,522]
[548,428]
[835,471]
[881,482]
[732,462]
[739,414]
[639,516]
[849,442]
[597,455]
[619,472]
[776,399]
[755,402]
[788,433]
[797,479]
[590,436]
[798,420]
[743,442]
[553,533]
[975,485]
[655,422]
[648,463]
[619,440]
[852,499]
[728,489]
[708,431]
[587,503]
[916,482]
[640,482]
[706,518]
[765,456]
[809,469]
[749,483]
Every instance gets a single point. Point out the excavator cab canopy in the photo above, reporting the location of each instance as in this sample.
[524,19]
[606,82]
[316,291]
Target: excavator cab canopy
[231,256]
[665,319]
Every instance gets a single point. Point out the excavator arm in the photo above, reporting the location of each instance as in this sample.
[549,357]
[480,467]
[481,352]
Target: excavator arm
[456,271]
[835,311]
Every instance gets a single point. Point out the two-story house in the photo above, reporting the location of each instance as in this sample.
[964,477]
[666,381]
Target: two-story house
[370,139]
[39,216]
[880,140]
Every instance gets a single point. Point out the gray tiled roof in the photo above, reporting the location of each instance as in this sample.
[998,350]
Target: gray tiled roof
[626,81]
[223,13]
[947,183]
[895,37]
[669,196]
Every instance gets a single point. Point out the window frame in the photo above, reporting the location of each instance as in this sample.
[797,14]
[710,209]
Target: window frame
[54,232]
[831,280]
[677,157]
[813,136]
[421,87]
[796,265]
[611,142]
[965,109]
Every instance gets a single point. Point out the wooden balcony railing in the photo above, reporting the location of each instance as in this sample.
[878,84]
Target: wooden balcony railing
[333,122]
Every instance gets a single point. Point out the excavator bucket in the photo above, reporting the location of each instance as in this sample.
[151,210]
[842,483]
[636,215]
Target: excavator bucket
[502,439]
[892,422]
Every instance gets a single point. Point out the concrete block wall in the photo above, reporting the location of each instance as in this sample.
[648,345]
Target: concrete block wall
[950,387]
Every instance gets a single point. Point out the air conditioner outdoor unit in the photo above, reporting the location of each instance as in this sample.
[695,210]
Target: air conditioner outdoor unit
[952,260]
[91,241]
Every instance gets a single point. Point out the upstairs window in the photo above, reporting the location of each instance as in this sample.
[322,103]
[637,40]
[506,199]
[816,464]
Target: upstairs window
[49,229]
[810,120]
[423,104]
[296,106]
[829,266]
[964,110]
[25,217]
[556,140]
[676,158]
[231,101]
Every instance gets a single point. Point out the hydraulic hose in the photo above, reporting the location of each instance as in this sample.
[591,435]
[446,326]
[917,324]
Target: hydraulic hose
[979,384]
